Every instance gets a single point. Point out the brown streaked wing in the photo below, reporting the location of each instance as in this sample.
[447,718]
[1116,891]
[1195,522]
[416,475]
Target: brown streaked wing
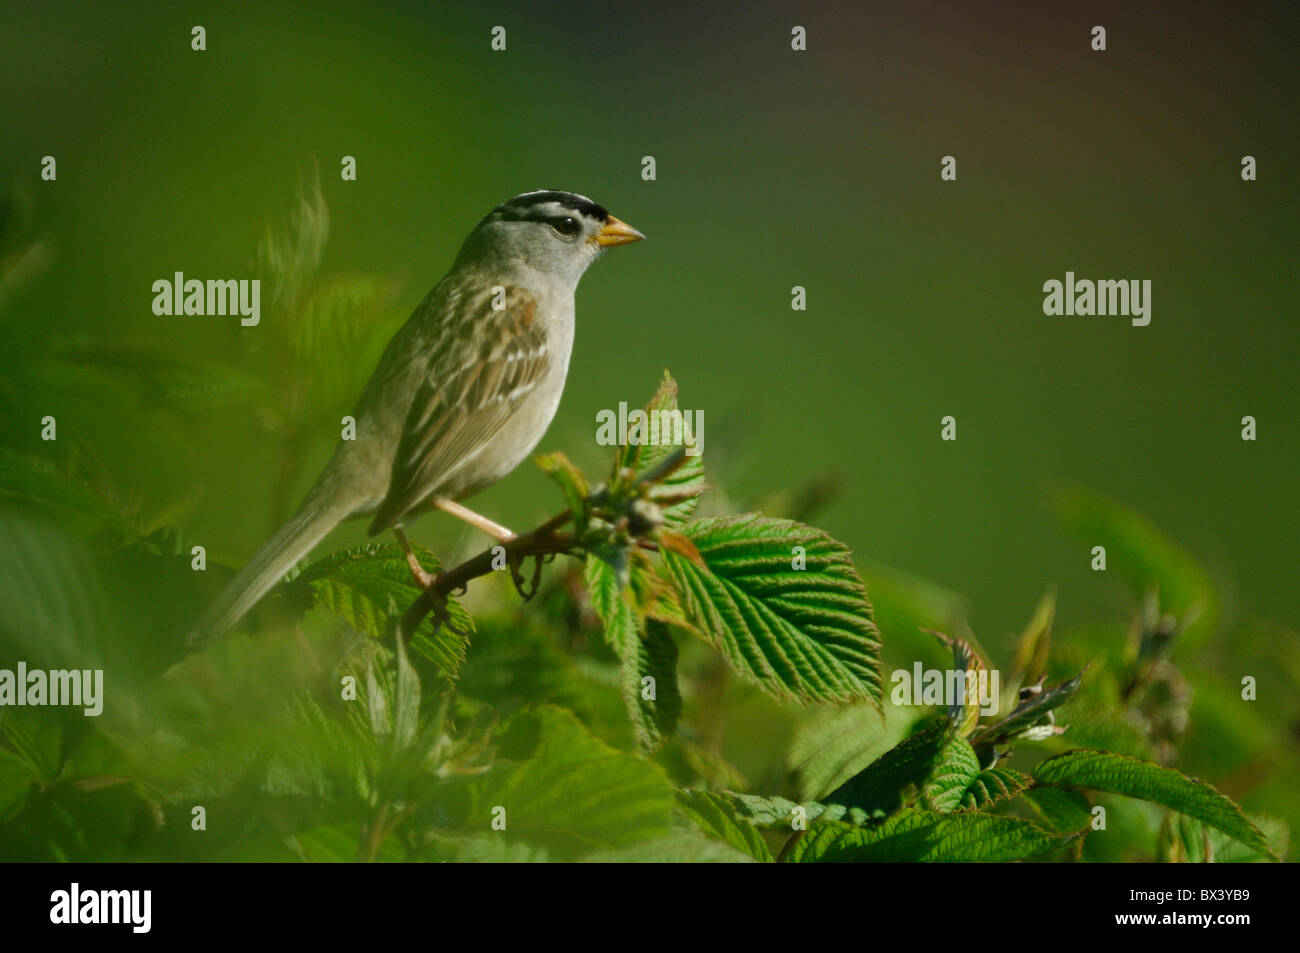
[458,409]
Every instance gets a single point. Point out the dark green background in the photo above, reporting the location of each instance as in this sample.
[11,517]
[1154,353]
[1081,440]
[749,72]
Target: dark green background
[774,169]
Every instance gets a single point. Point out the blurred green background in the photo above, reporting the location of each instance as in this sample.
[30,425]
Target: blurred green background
[774,168]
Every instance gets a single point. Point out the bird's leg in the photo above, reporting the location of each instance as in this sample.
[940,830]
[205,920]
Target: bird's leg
[423,578]
[477,520]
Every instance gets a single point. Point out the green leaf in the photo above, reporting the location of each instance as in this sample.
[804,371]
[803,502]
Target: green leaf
[965,713]
[717,815]
[1029,661]
[564,789]
[899,774]
[159,378]
[833,744]
[686,483]
[646,650]
[337,844]
[497,849]
[28,479]
[778,812]
[571,481]
[798,633]
[1025,718]
[1185,840]
[1120,774]
[993,785]
[955,771]
[920,836]
[370,586]
[679,847]
[1060,810]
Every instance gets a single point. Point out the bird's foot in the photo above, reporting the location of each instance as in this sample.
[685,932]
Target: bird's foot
[526,591]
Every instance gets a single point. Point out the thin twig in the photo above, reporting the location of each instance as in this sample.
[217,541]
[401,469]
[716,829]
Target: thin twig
[542,541]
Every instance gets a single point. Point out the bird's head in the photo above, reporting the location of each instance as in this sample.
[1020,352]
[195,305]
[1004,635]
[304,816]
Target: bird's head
[553,232]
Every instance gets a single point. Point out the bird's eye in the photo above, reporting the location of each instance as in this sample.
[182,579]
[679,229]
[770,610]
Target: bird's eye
[566,225]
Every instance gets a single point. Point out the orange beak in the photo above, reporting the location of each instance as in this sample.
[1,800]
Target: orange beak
[616,232]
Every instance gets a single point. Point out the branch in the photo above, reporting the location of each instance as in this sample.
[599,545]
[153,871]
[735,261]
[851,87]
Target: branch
[542,541]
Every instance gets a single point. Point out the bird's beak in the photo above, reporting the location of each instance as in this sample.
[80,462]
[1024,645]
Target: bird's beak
[616,233]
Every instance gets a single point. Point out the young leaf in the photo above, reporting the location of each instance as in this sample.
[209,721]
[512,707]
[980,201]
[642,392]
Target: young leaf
[1023,718]
[955,771]
[572,483]
[784,605]
[920,836]
[1120,774]
[666,422]
[964,711]
[370,586]
[716,814]
[1035,644]
[647,651]
[993,785]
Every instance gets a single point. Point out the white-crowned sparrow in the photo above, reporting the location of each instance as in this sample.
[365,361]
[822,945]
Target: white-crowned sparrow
[463,392]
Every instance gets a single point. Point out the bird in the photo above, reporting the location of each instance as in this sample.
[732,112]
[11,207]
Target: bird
[461,395]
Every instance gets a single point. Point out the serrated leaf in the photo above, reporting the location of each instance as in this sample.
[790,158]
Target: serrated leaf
[798,633]
[564,789]
[370,586]
[716,814]
[993,785]
[921,836]
[664,417]
[885,784]
[956,769]
[646,650]
[1131,777]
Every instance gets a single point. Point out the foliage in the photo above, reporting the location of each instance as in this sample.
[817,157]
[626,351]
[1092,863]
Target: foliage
[363,720]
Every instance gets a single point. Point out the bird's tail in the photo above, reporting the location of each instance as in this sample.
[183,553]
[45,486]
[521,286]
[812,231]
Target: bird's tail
[292,542]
